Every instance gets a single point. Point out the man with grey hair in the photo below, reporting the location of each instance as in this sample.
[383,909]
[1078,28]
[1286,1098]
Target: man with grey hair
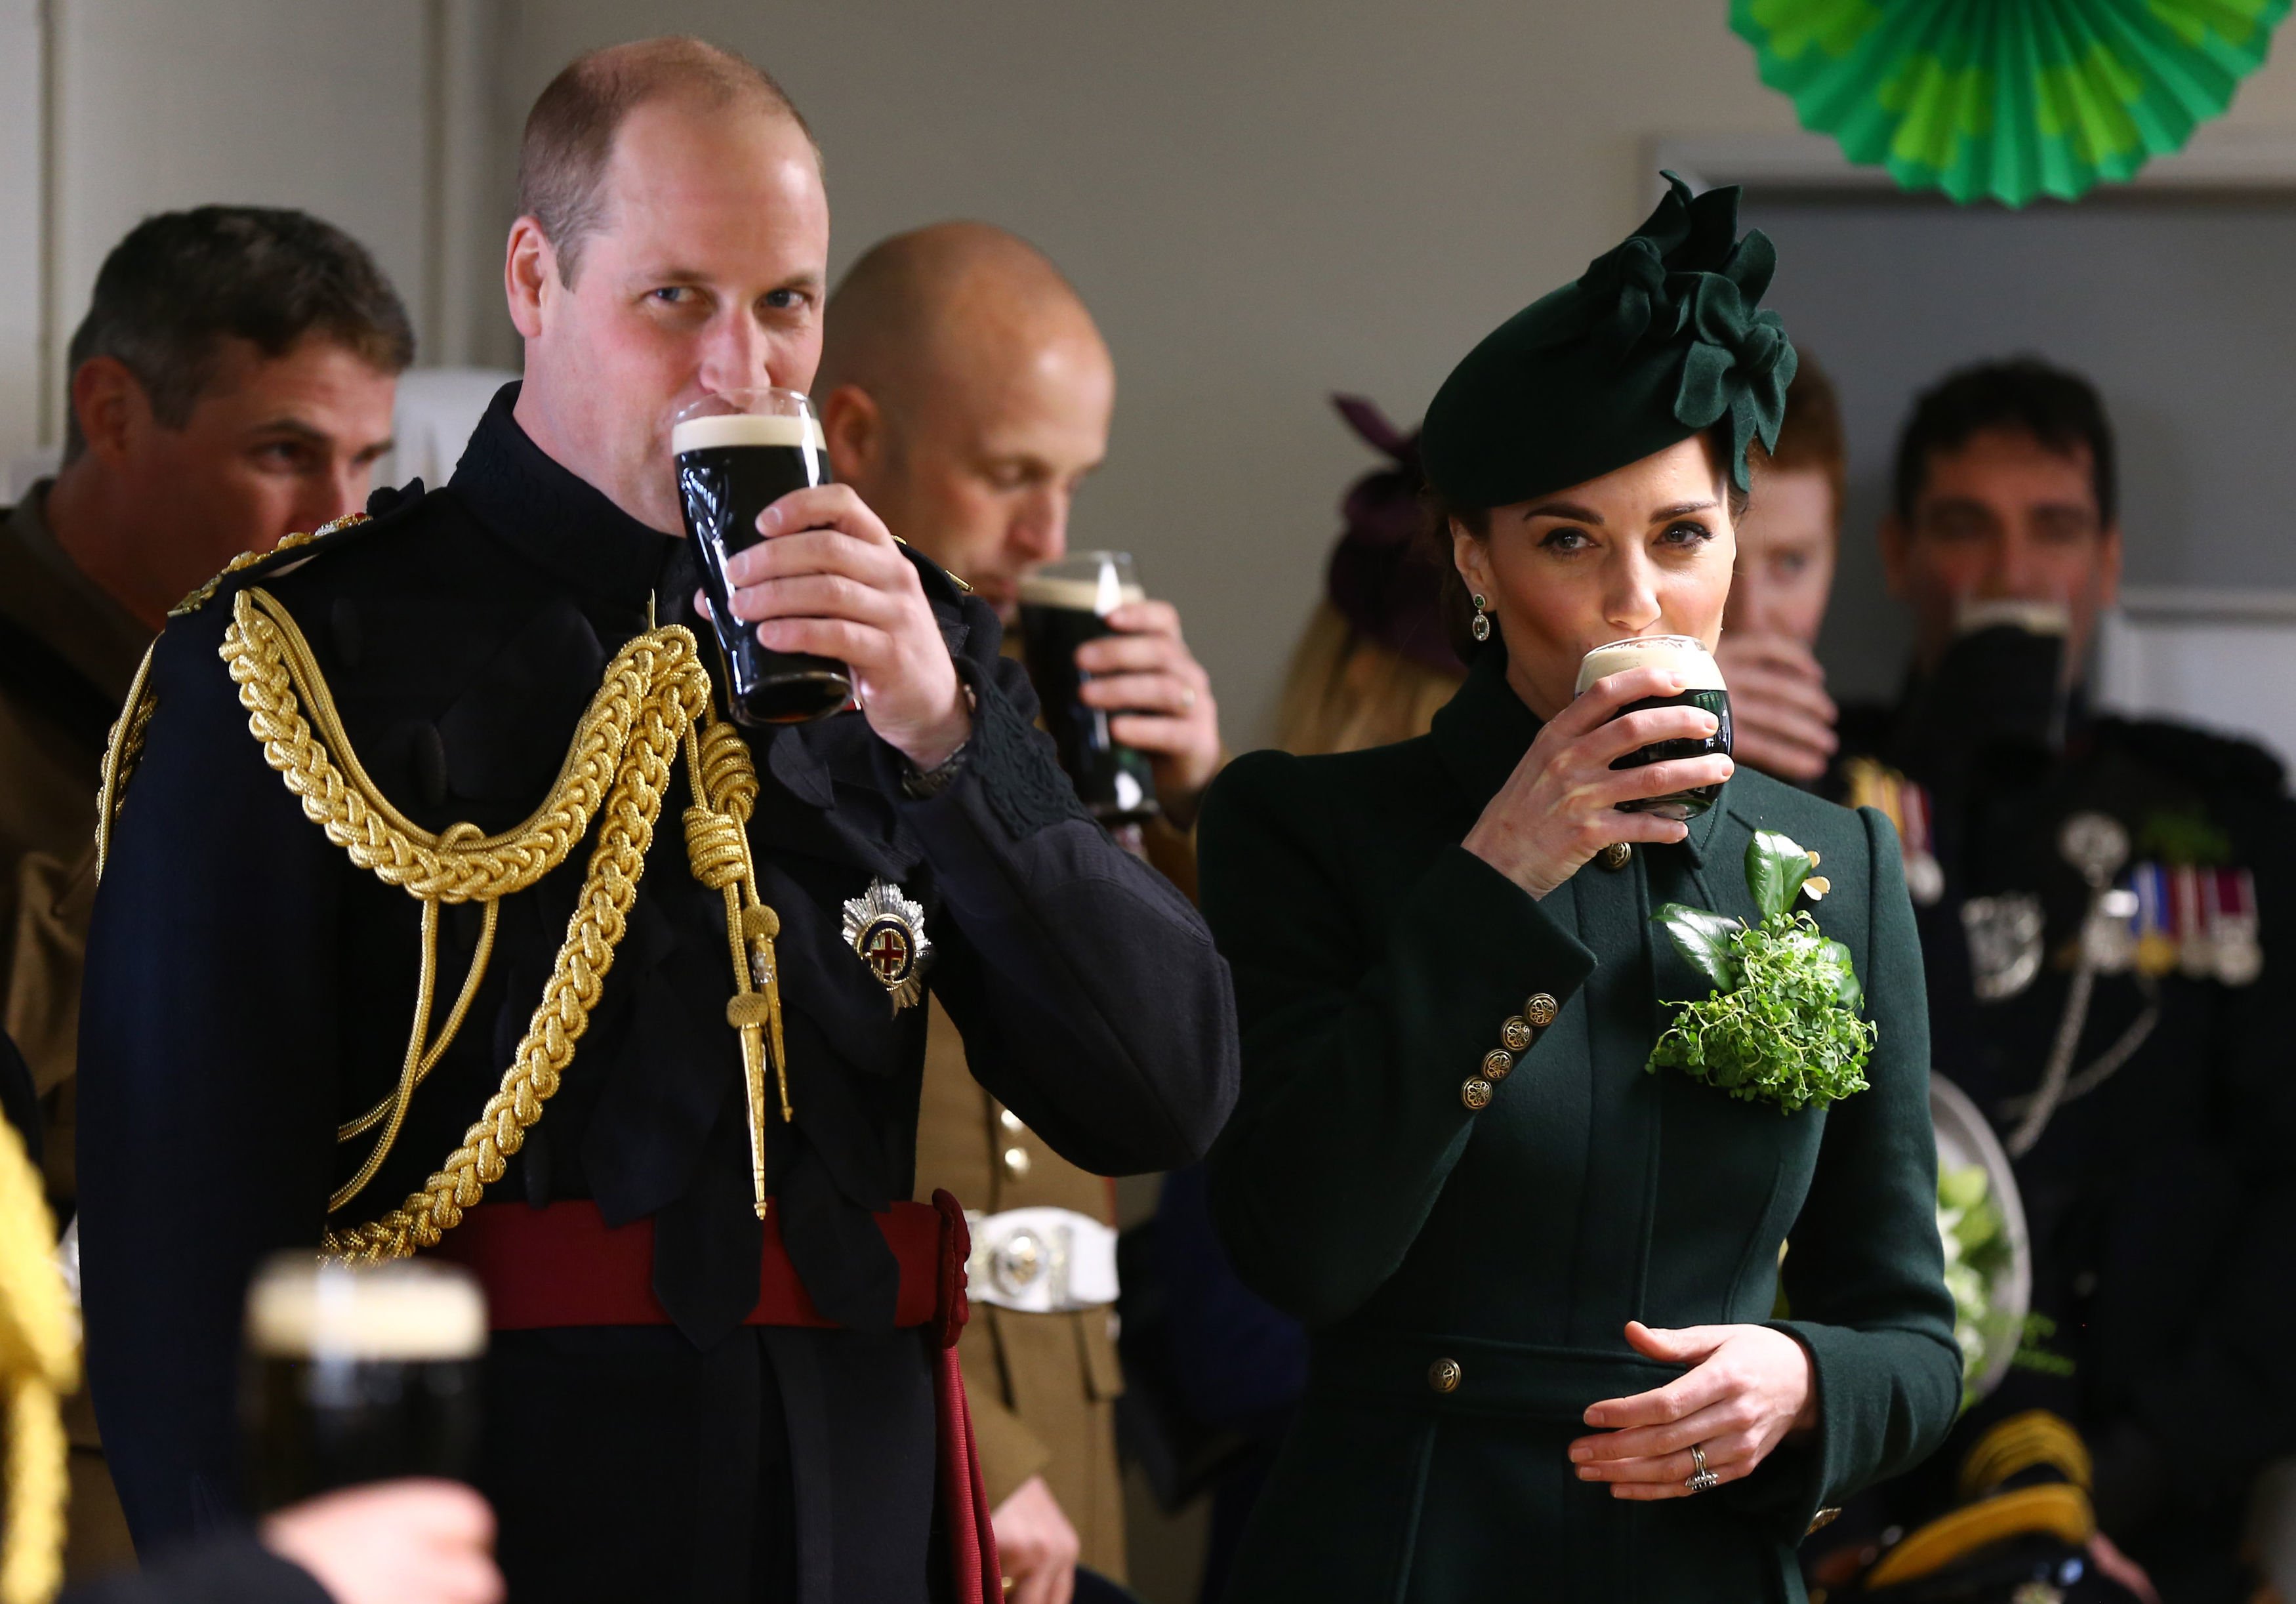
[232,382]
[471,751]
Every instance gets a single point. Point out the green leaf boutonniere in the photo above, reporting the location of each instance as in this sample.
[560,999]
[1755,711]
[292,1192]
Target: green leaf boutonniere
[1782,1023]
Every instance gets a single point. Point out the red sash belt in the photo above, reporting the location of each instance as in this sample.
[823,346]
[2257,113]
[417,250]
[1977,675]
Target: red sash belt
[563,1266]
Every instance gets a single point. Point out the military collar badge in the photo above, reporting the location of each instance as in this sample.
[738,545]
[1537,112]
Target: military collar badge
[886,931]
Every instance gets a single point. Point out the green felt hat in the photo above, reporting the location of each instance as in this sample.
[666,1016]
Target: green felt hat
[1659,339]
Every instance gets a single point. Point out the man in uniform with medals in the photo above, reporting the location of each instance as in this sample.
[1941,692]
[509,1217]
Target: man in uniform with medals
[2089,891]
[464,763]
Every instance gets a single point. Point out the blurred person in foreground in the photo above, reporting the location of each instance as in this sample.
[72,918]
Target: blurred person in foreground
[403,1542]
[2103,905]
[1781,718]
[231,383]
[966,394]
[664,1108]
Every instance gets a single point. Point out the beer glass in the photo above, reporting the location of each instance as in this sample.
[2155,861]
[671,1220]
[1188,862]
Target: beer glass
[357,1376]
[1703,688]
[1063,604]
[738,451]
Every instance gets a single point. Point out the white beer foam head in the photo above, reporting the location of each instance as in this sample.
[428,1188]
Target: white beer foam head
[743,429]
[407,1311]
[2034,618]
[1685,656]
[1083,595]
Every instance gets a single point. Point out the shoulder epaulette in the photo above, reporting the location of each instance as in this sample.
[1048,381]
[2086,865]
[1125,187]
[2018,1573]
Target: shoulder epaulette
[298,548]
[2203,756]
[936,578]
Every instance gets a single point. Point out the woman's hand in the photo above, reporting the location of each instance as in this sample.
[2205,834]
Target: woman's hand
[1561,806]
[1751,1386]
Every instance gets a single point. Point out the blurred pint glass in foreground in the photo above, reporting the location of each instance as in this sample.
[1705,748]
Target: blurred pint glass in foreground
[1701,679]
[357,1376]
[739,452]
[1063,604]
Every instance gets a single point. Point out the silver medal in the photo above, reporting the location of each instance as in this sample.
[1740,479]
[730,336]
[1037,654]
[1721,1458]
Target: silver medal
[2004,943]
[887,932]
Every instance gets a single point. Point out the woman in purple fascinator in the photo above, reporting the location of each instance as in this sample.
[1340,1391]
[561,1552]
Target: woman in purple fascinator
[1377,657]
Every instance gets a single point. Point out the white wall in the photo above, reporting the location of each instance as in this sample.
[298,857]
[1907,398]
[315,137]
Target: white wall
[374,114]
[1262,202]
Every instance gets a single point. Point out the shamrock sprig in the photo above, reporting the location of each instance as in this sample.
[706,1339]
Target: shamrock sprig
[1782,1025]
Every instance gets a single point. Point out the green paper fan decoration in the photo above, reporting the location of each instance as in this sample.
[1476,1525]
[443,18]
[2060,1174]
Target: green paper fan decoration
[2008,99]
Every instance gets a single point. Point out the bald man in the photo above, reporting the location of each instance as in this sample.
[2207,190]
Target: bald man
[965,392]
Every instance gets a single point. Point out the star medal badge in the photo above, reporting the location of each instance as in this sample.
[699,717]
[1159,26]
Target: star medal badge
[886,931]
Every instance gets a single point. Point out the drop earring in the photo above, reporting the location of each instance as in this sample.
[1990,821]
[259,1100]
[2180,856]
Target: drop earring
[1479,626]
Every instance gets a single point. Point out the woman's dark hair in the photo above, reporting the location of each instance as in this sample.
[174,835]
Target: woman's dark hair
[183,283]
[1477,522]
[2060,409]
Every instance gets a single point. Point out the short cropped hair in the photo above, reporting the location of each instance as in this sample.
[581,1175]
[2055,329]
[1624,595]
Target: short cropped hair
[2058,408]
[183,283]
[569,134]
[1811,438]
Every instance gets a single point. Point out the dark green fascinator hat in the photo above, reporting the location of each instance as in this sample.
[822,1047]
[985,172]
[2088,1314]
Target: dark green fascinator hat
[1658,340]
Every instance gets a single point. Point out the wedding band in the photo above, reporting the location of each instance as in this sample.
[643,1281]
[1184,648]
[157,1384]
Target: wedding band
[1702,1479]
[1187,699]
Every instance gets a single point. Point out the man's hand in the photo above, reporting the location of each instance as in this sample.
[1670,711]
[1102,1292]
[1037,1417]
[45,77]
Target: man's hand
[393,1543]
[1162,700]
[1036,1545]
[829,580]
[1783,720]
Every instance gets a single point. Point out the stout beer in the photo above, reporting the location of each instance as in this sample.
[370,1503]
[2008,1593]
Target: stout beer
[1703,688]
[731,465]
[360,1376]
[1063,605]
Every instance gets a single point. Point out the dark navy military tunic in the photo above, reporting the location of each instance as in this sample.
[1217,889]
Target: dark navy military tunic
[249,988]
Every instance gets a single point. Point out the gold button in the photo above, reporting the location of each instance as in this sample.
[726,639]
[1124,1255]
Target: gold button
[1016,1162]
[1618,854]
[1516,1033]
[1010,1121]
[1476,1094]
[1822,1519]
[1541,1008]
[1443,1375]
[1497,1063]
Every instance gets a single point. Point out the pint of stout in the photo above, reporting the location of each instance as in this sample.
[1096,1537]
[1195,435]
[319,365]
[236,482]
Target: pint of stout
[358,1376]
[739,452]
[1701,679]
[1064,604]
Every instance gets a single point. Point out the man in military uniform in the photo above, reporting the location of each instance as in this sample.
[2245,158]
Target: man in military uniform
[231,380]
[663,975]
[966,394]
[2100,902]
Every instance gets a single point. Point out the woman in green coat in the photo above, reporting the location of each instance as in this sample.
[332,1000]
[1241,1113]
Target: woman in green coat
[1541,1276]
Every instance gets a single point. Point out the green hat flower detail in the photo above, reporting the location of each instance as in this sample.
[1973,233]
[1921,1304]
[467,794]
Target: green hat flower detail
[1661,338]
[2007,99]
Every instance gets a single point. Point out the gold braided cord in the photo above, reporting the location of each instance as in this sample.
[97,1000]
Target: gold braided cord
[272,665]
[662,688]
[38,1363]
[122,748]
[655,700]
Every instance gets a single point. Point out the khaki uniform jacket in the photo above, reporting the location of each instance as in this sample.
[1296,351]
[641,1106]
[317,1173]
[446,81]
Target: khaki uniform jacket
[67,653]
[1043,1387]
